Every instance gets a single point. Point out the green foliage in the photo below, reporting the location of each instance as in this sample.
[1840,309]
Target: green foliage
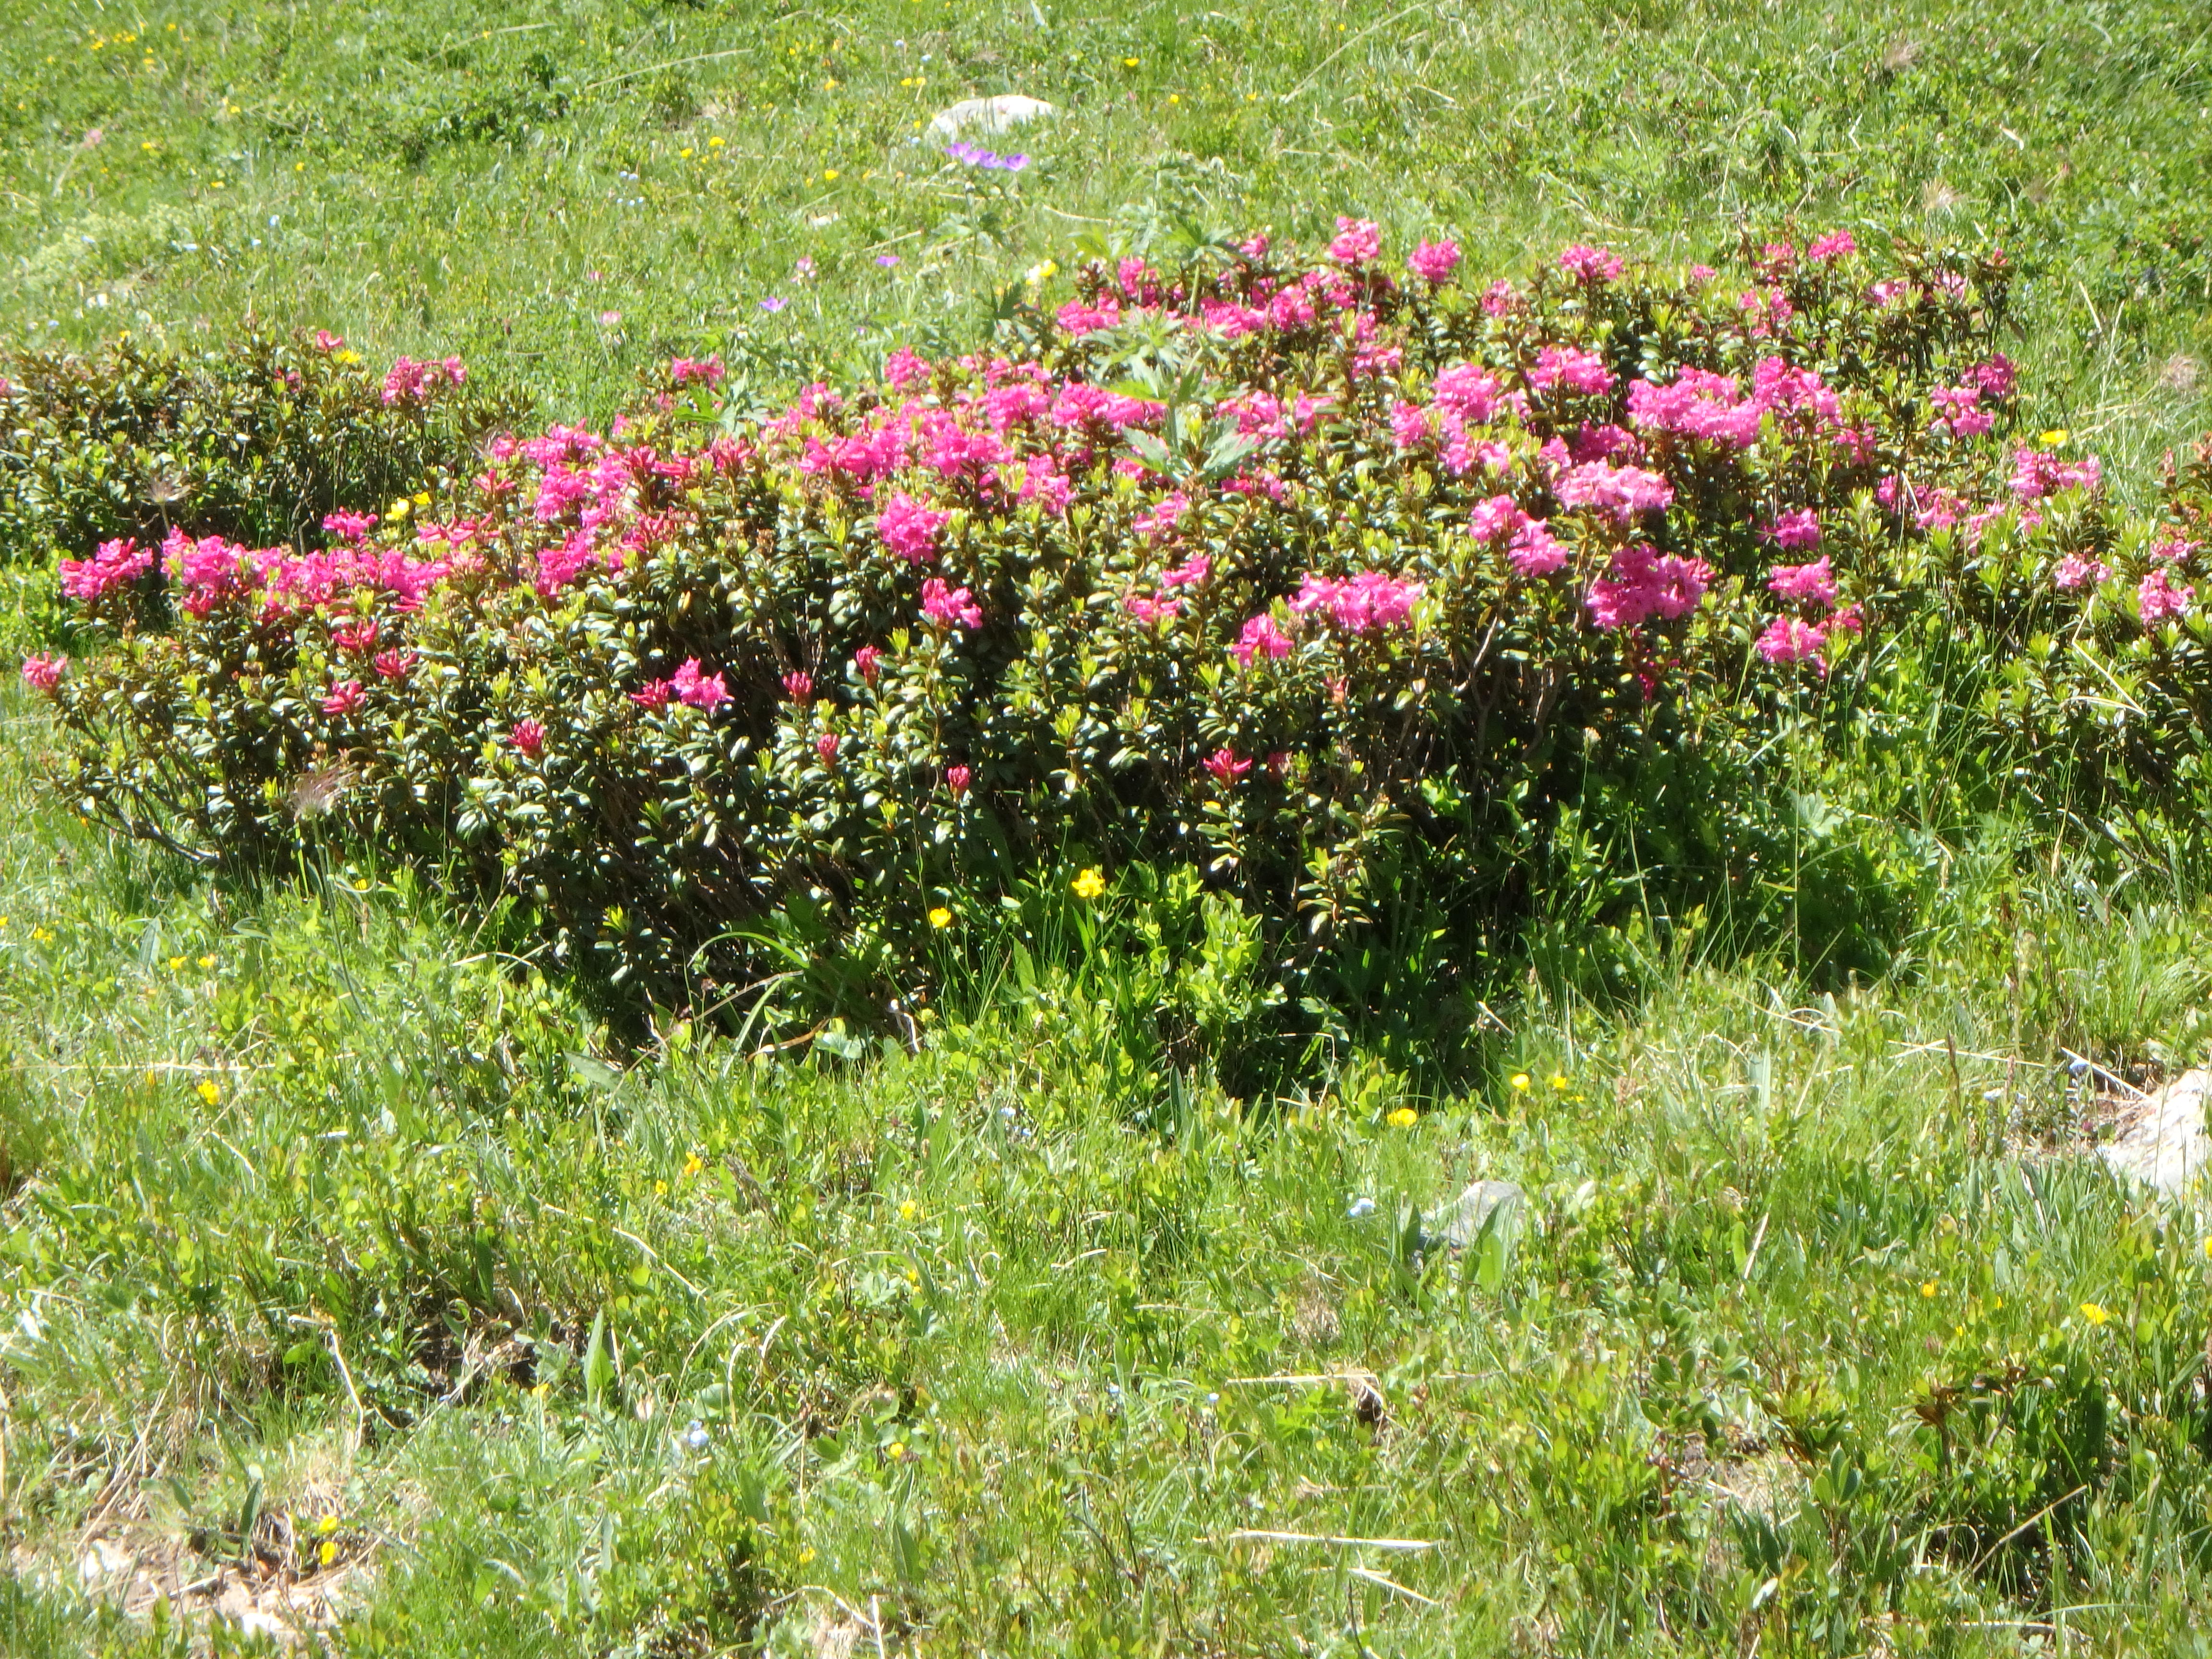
[255,439]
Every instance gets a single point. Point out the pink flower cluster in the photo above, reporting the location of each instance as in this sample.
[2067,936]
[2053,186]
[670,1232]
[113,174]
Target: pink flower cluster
[909,529]
[1363,603]
[115,565]
[1642,583]
[701,371]
[949,607]
[2038,472]
[412,382]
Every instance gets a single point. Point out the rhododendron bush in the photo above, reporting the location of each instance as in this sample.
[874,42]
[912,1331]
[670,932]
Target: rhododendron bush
[1336,578]
[258,437]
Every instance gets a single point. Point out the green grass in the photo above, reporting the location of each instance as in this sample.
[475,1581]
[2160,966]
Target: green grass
[498,182]
[332,1224]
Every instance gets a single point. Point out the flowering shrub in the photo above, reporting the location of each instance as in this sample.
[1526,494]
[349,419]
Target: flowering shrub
[255,440]
[1338,581]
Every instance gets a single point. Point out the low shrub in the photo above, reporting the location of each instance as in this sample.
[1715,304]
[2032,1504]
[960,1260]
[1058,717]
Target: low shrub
[254,439]
[1383,600]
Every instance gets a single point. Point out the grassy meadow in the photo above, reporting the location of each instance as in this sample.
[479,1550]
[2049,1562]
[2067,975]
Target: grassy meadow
[362,1293]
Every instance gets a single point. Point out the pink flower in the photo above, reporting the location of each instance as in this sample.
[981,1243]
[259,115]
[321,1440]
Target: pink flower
[1641,583]
[1590,265]
[116,564]
[1536,551]
[1360,604]
[705,692]
[1467,392]
[1997,377]
[326,342]
[1813,583]
[1787,639]
[906,369]
[393,665]
[869,661]
[1800,527]
[411,382]
[1496,519]
[826,746]
[798,685]
[2158,599]
[1151,612]
[44,673]
[1260,638]
[345,697]
[348,526]
[1620,491]
[1226,766]
[2038,472]
[946,607]
[706,370]
[1433,262]
[2074,571]
[1191,573]
[1356,242]
[529,737]
[356,638]
[1578,371]
[653,693]
[956,780]
[1836,245]
[909,529]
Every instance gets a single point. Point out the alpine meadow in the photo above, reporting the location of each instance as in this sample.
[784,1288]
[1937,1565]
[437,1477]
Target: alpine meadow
[921,829]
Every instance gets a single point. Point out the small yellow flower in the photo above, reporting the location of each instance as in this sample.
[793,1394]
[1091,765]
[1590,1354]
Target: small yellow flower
[713,143]
[2093,1314]
[45,936]
[940,917]
[361,883]
[830,175]
[422,498]
[906,1209]
[176,964]
[694,1164]
[2053,438]
[1404,1118]
[1128,63]
[206,961]
[400,508]
[895,1450]
[661,1189]
[326,1526]
[1560,1082]
[685,153]
[1174,98]
[348,357]
[2208,1240]
[1520,1082]
[1927,1287]
[328,1553]
[806,1555]
[210,1090]
[1090,884]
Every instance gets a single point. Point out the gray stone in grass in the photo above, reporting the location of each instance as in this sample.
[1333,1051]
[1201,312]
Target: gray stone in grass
[2166,1146]
[991,115]
[1459,1223]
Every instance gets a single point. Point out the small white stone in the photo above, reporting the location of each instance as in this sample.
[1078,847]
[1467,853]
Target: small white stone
[2166,1146]
[1001,114]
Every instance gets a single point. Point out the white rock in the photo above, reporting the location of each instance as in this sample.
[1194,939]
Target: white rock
[2166,1146]
[1001,114]
[1463,1218]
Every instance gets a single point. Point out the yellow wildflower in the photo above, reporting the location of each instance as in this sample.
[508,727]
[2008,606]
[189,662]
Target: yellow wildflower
[1520,1082]
[694,1164]
[2053,438]
[2093,1314]
[206,961]
[1927,1287]
[1404,1118]
[940,917]
[1560,1082]
[328,1553]
[1090,884]
[210,1090]
[906,1209]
